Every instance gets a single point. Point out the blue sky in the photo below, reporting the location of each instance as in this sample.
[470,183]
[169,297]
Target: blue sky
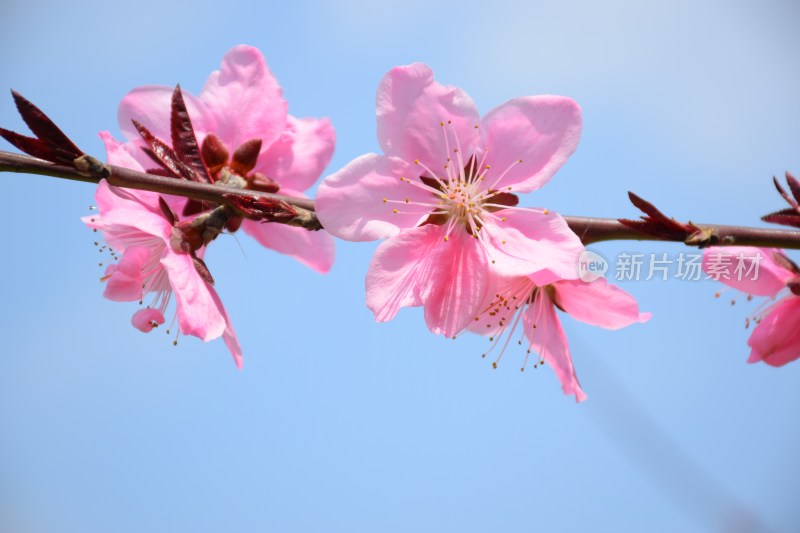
[341,424]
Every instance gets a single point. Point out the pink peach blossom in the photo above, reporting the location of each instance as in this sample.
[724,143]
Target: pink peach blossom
[242,102]
[521,299]
[134,225]
[444,195]
[763,272]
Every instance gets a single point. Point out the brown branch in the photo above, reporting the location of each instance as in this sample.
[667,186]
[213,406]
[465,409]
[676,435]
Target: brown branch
[592,230]
[131,179]
[589,229]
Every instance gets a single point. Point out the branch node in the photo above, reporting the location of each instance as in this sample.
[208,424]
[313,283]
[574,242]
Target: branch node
[91,167]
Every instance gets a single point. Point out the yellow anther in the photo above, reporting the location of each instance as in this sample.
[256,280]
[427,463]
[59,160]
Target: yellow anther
[395,210]
[546,211]
[385,200]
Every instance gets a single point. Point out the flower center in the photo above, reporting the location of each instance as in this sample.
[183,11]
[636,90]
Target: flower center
[236,170]
[507,309]
[463,193]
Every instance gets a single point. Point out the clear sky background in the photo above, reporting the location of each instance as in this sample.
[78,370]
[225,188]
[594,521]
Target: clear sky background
[337,423]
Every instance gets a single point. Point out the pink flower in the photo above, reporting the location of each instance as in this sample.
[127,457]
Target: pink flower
[242,106]
[444,195]
[520,299]
[763,272]
[135,225]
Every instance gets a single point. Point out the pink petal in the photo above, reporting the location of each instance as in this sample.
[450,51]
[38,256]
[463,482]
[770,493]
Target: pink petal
[776,339]
[399,268]
[312,248]
[110,199]
[350,203]
[121,154]
[123,215]
[151,105]
[542,131]
[244,99]
[547,339]
[228,334]
[298,157]
[411,106]
[731,265]
[525,241]
[456,285]
[125,278]
[598,303]
[199,313]
[144,319]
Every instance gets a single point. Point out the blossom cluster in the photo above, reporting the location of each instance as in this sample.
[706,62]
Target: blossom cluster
[444,198]
[246,138]
[776,336]
[444,195]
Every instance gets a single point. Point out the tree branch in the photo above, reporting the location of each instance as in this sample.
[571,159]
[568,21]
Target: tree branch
[589,229]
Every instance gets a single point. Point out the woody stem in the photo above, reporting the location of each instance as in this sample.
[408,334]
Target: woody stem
[589,229]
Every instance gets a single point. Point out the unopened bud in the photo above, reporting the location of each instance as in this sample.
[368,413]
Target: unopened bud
[245,157]
[214,152]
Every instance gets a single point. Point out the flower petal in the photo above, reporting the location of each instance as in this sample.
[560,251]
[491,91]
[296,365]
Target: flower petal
[411,107]
[125,278]
[120,154]
[456,286]
[298,157]
[125,213]
[151,106]
[540,131]
[358,202]
[732,266]
[776,339]
[199,313]
[543,329]
[526,241]
[399,268]
[228,334]
[144,319]
[315,249]
[598,303]
[244,99]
